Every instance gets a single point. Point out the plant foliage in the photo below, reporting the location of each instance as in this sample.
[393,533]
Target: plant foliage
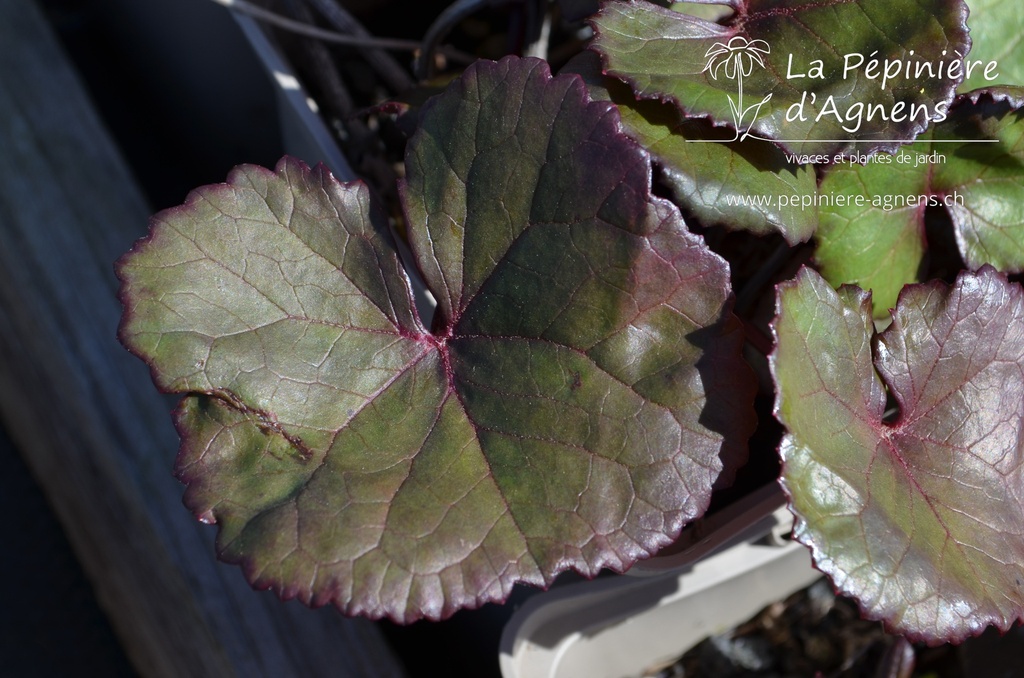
[580,391]
[665,55]
[880,244]
[707,173]
[570,407]
[921,519]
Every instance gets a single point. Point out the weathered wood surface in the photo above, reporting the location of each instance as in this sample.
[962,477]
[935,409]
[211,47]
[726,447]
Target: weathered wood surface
[85,415]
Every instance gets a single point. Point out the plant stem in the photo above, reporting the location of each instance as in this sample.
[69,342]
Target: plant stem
[445,21]
[338,100]
[393,74]
[308,30]
[443,24]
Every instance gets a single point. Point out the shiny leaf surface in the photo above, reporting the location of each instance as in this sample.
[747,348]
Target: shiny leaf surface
[570,408]
[922,519]
[825,65]
[732,184]
[875,237]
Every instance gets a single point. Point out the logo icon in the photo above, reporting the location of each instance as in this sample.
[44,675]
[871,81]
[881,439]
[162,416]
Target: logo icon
[736,60]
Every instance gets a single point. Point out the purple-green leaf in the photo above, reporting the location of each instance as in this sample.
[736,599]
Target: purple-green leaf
[972,165]
[735,184]
[795,71]
[569,409]
[921,518]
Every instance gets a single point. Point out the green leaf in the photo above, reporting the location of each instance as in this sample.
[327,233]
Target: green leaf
[922,519]
[735,185]
[997,31]
[872,217]
[813,59]
[570,409]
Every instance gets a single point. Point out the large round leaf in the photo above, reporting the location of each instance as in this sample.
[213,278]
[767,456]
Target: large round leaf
[921,519]
[569,410]
[813,59]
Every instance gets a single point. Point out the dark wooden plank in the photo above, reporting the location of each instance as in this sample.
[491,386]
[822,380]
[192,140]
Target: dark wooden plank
[85,415]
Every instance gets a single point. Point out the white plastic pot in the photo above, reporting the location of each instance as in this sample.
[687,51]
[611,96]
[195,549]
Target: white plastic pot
[621,626]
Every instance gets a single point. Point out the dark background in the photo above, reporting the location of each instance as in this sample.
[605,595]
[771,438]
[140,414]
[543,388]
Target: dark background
[177,131]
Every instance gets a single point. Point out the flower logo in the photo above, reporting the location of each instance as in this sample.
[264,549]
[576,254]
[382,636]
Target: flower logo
[737,60]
